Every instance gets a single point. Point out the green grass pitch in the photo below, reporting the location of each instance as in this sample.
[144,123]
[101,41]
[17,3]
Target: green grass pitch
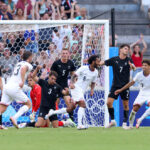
[73,139]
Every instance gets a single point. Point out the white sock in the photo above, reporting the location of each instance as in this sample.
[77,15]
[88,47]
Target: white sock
[60,111]
[21,111]
[147,113]
[81,115]
[132,118]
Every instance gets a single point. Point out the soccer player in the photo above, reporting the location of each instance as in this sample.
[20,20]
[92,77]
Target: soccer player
[121,73]
[64,66]
[13,89]
[35,95]
[85,76]
[50,92]
[143,78]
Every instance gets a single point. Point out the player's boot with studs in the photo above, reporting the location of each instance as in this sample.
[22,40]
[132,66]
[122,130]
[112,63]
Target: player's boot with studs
[82,127]
[22,125]
[124,126]
[112,124]
[3,127]
[14,122]
[138,122]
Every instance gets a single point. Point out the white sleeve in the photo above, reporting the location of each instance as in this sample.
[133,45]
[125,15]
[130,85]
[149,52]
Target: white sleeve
[80,70]
[137,77]
[30,67]
[95,77]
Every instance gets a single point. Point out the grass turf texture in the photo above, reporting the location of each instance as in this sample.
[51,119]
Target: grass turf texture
[73,139]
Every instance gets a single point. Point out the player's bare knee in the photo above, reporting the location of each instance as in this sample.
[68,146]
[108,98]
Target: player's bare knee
[28,103]
[82,104]
[109,104]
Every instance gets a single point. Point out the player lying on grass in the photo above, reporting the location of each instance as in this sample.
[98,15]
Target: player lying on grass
[143,78]
[84,77]
[121,74]
[35,95]
[13,89]
[50,92]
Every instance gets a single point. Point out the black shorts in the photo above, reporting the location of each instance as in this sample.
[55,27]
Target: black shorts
[44,111]
[124,94]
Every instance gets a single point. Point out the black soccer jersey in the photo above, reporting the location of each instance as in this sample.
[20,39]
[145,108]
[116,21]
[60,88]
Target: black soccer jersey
[121,70]
[63,70]
[50,93]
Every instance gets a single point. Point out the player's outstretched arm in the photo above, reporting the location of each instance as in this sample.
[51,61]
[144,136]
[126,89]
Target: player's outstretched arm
[125,87]
[34,74]
[92,88]
[132,66]
[74,78]
[23,72]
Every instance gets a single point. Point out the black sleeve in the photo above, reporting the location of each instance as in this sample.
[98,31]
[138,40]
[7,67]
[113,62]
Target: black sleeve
[73,68]
[109,62]
[130,60]
[41,82]
[59,90]
[54,67]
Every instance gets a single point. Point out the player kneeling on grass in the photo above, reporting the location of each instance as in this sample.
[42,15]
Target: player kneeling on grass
[13,89]
[143,78]
[50,93]
[85,76]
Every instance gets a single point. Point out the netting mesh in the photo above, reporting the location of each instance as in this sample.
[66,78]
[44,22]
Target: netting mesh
[46,42]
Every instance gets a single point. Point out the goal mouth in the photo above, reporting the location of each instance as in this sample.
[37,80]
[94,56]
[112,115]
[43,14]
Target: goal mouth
[46,39]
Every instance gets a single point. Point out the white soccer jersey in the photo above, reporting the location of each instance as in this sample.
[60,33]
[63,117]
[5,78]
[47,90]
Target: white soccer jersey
[85,77]
[144,82]
[15,79]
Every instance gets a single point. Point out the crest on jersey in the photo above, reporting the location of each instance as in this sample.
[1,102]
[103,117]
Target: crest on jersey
[59,66]
[69,67]
[116,62]
[84,78]
[125,63]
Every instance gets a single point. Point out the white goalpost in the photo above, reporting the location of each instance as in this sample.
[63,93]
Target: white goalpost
[46,38]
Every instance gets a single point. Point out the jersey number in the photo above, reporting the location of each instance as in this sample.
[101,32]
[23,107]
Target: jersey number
[50,91]
[16,71]
[63,73]
[121,68]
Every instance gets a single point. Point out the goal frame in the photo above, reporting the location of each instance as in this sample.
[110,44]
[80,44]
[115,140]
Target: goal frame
[69,22]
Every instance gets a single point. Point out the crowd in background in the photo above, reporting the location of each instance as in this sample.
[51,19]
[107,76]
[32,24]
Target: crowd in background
[41,10]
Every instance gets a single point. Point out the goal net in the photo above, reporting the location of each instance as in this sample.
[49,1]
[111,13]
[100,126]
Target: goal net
[46,40]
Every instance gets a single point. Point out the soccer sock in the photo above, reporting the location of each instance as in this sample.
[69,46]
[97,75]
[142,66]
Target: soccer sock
[126,113]
[81,115]
[131,118]
[60,111]
[111,113]
[71,116]
[31,124]
[21,111]
[147,113]
[0,119]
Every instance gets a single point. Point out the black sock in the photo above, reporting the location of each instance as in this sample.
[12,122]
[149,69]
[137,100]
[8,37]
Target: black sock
[126,113]
[0,119]
[111,113]
[31,124]
[71,116]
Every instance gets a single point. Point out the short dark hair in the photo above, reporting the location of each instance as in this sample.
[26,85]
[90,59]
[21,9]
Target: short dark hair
[92,58]
[65,49]
[26,55]
[124,45]
[53,73]
[146,61]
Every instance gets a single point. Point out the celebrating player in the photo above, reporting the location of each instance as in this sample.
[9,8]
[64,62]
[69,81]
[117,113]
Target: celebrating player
[143,78]
[63,67]
[50,92]
[121,74]
[13,89]
[85,76]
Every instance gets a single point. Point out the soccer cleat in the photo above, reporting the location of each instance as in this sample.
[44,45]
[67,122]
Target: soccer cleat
[50,113]
[70,123]
[111,124]
[3,127]
[22,125]
[124,126]
[138,122]
[14,122]
[82,127]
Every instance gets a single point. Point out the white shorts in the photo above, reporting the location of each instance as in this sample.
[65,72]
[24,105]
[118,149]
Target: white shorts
[77,94]
[140,100]
[11,94]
